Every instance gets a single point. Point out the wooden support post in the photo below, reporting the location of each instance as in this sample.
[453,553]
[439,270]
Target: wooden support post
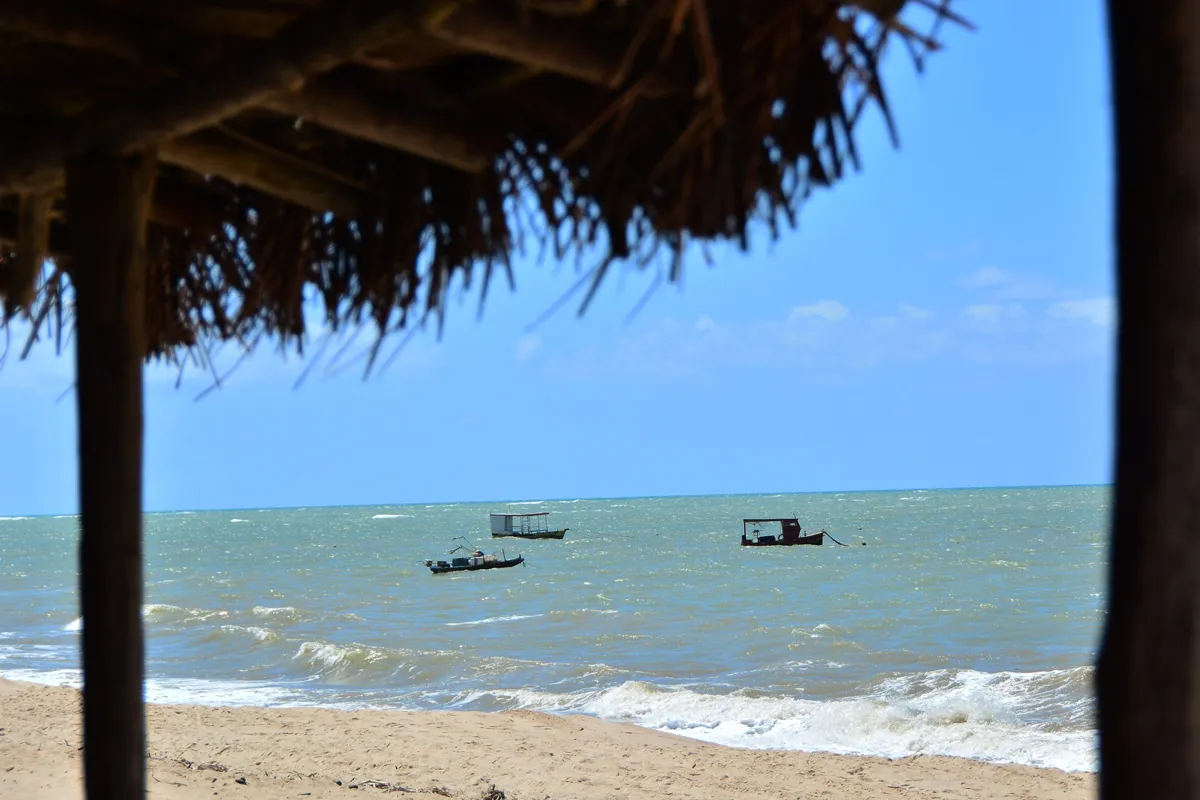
[1148,679]
[108,200]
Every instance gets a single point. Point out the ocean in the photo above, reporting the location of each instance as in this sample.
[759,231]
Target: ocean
[959,623]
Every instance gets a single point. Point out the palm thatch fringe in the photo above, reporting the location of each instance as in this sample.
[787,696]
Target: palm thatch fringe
[680,121]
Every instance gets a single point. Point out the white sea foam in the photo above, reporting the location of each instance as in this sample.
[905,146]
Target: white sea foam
[961,713]
[223,693]
[285,613]
[346,661]
[235,519]
[392,516]
[13,519]
[54,677]
[974,716]
[581,612]
[261,634]
[181,690]
[489,620]
[822,628]
[74,625]
[321,654]
[166,613]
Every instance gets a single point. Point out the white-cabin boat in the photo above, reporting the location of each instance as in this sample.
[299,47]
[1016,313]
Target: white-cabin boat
[525,526]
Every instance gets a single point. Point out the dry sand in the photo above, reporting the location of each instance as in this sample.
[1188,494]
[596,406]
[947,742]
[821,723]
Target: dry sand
[200,752]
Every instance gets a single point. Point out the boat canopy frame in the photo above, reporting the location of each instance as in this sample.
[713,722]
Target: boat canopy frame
[528,523]
[780,520]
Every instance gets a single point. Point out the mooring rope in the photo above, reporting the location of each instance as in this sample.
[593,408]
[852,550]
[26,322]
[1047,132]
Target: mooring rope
[835,541]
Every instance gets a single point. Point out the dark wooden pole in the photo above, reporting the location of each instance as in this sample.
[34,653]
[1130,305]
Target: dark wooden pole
[108,200]
[1149,670]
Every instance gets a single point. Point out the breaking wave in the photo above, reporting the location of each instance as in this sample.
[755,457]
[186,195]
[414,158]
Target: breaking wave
[489,620]
[968,714]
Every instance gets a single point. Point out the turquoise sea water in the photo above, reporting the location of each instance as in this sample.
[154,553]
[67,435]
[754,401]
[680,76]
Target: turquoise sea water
[966,625]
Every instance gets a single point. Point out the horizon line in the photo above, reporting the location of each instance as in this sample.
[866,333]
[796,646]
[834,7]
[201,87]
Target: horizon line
[600,498]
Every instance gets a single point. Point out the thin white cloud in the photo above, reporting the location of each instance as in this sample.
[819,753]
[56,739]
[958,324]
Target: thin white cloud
[1029,288]
[528,346]
[1001,285]
[990,316]
[824,335]
[1097,310]
[984,313]
[830,310]
[913,312]
[985,277]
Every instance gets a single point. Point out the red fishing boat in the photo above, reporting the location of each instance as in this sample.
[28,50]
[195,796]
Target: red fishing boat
[790,533]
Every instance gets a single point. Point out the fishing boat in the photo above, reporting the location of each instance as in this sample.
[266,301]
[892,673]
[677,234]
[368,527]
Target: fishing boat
[473,560]
[790,534]
[525,526]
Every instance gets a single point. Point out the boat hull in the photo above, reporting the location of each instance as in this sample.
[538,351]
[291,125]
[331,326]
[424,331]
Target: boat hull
[531,535]
[438,568]
[813,539]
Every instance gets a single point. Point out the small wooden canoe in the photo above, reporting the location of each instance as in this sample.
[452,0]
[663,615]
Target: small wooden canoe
[472,563]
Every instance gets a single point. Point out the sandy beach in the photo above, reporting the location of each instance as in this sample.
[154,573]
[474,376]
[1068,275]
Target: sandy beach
[269,753]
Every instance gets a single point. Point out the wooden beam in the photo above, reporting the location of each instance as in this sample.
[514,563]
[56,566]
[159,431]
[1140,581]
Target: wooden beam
[58,244]
[177,205]
[213,152]
[223,19]
[77,25]
[484,28]
[310,45]
[344,107]
[1148,675]
[108,199]
[409,52]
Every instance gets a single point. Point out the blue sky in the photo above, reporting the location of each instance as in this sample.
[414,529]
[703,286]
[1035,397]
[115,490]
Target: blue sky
[942,318]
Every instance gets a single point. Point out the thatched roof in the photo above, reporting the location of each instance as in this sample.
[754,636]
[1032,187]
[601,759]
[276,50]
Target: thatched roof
[372,151]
